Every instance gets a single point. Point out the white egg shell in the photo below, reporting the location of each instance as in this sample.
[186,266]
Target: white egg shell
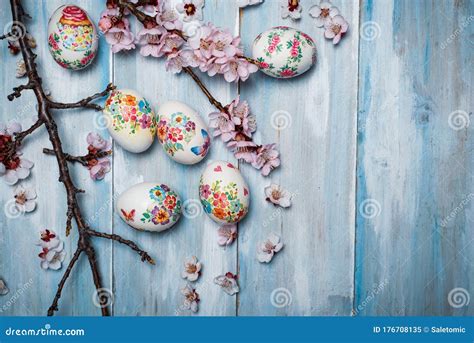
[149,206]
[284,52]
[130,120]
[182,133]
[224,193]
[72,37]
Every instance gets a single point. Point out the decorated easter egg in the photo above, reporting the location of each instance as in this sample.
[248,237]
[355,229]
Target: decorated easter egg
[182,133]
[224,193]
[72,37]
[284,52]
[149,206]
[130,120]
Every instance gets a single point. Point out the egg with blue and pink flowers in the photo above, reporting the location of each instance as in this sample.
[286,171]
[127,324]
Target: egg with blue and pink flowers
[182,132]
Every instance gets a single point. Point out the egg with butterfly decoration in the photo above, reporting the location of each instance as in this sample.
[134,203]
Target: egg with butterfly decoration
[182,133]
[224,193]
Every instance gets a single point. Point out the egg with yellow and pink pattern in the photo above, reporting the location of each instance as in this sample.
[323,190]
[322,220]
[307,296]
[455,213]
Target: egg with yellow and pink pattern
[182,132]
[223,192]
[72,37]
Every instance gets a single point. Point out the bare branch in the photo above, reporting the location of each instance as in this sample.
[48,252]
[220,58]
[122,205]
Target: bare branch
[84,103]
[131,244]
[54,306]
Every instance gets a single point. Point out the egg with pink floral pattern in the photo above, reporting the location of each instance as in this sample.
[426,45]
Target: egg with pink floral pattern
[72,37]
[224,193]
[182,133]
[284,52]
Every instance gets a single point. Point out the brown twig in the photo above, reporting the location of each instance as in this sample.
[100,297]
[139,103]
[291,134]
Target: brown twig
[84,103]
[84,160]
[131,244]
[45,118]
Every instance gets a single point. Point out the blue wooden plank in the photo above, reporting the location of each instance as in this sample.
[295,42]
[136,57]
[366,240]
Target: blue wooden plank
[155,290]
[414,175]
[20,264]
[313,274]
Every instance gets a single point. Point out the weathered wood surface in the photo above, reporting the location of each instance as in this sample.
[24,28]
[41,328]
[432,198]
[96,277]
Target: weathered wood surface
[367,128]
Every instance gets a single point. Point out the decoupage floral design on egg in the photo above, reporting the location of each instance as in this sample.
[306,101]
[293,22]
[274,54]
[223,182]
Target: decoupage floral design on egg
[181,129]
[73,32]
[166,206]
[130,113]
[222,201]
[283,41]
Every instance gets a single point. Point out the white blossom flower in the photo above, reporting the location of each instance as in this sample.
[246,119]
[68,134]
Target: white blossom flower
[245,3]
[323,13]
[52,254]
[49,240]
[335,28]
[192,9]
[20,69]
[192,269]
[228,283]
[25,199]
[191,298]
[3,288]
[52,258]
[269,248]
[291,8]
[277,195]
[227,234]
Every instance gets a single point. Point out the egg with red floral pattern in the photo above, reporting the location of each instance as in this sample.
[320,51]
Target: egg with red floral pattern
[224,193]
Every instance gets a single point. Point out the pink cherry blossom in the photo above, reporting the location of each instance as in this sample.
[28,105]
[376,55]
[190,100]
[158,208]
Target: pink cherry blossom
[323,13]
[223,125]
[98,171]
[240,113]
[244,150]
[336,28]
[120,37]
[227,234]
[269,248]
[98,142]
[266,159]
[180,58]
[150,41]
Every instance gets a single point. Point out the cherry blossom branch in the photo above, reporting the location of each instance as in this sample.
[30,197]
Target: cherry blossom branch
[206,92]
[83,160]
[46,119]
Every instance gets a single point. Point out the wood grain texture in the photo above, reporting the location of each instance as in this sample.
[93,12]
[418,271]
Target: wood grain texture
[366,129]
[413,167]
[19,260]
[313,120]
